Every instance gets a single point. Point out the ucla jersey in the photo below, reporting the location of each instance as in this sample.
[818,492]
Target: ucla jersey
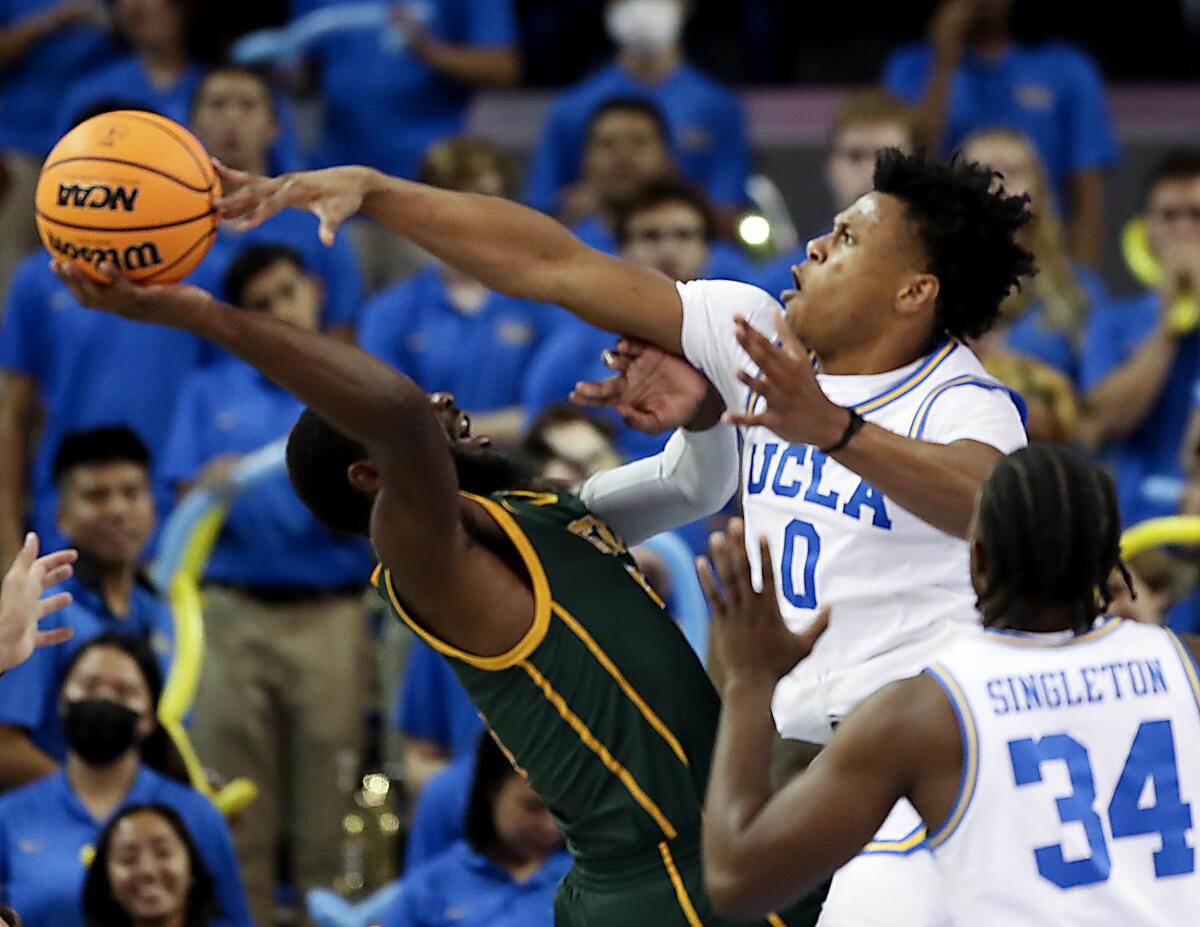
[1081,779]
[900,588]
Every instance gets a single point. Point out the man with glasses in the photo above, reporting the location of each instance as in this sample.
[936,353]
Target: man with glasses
[1142,361]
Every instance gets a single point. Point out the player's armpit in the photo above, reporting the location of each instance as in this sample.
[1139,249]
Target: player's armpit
[890,747]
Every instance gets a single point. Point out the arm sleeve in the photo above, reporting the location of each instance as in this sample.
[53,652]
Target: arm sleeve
[692,478]
[709,343]
[975,412]
[1090,134]
[727,185]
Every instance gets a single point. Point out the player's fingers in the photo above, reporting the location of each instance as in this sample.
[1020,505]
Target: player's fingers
[640,420]
[50,638]
[768,567]
[739,562]
[57,575]
[760,386]
[707,583]
[27,555]
[52,562]
[231,178]
[765,354]
[53,603]
[739,418]
[631,347]
[718,553]
[792,345]
[597,393]
[614,360]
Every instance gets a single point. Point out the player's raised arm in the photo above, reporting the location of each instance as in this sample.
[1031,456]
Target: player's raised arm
[504,245]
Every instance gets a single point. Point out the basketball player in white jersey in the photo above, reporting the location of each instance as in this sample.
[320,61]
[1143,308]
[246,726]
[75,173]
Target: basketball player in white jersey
[1055,757]
[863,472]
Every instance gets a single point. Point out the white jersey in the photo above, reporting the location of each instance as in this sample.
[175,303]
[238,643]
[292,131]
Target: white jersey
[1081,779]
[900,588]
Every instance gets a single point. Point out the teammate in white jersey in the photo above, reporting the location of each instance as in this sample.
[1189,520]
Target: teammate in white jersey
[863,472]
[1055,758]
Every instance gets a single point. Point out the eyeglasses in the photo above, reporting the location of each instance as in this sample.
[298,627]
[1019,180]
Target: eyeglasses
[658,236]
[1170,214]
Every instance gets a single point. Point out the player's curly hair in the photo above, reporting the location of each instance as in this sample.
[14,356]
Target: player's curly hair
[969,234]
[1051,529]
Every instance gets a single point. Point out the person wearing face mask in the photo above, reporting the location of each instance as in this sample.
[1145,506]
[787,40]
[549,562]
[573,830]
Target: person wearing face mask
[706,120]
[117,755]
[148,872]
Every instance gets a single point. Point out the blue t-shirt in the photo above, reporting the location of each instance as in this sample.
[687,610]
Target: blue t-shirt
[29,692]
[707,126]
[335,267]
[440,812]
[725,262]
[91,369]
[432,704]
[1053,93]
[269,538]
[1149,469]
[384,106]
[481,358]
[1031,336]
[127,81]
[775,275]
[31,90]
[45,830]
[469,890]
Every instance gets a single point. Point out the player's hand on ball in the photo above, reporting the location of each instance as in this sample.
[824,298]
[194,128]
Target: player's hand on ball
[797,409]
[652,390]
[333,195]
[162,303]
[749,633]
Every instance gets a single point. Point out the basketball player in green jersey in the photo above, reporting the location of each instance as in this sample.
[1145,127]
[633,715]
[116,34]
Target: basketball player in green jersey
[536,602]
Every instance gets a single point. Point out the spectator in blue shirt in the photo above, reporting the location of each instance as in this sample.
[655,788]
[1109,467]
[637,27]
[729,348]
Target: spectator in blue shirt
[117,756]
[107,511]
[449,332]
[437,818]
[281,694]
[79,370]
[972,75]
[1141,360]
[707,126]
[505,871]
[36,38]
[236,117]
[868,121]
[433,712]
[148,872]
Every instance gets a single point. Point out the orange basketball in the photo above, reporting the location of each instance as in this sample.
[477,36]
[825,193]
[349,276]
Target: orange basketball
[133,189]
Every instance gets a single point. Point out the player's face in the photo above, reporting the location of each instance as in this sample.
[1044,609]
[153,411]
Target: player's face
[670,238]
[111,674]
[286,292]
[234,119]
[107,511]
[522,822]
[149,869]
[850,171]
[847,291]
[149,23]
[1011,159]
[624,153]
[1173,215]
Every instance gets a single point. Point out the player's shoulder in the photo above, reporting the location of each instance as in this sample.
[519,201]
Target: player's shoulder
[1064,58]
[729,298]
[549,502]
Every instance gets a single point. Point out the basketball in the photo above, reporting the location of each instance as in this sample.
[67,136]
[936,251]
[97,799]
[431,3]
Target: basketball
[130,188]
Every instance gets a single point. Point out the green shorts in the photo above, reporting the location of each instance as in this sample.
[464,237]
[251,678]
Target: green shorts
[662,888]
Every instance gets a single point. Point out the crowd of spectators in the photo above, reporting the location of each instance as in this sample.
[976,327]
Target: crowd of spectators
[105,423]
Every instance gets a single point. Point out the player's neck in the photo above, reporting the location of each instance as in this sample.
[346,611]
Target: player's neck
[164,64]
[869,359]
[1034,618]
[102,788]
[652,67]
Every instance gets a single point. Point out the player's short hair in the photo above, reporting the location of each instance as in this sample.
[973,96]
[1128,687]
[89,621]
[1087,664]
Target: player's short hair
[226,68]
[92,446]
[492,770]
[1176,164]
[871,106]
[454,163]
[318,458]
[252,261]
[668,190]
[636,105]
[968,231]
[1051,527]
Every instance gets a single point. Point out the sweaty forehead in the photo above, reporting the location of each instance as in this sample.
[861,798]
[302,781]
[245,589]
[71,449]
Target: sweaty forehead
[872,210]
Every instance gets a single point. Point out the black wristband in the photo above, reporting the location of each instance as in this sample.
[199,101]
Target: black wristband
[853,427]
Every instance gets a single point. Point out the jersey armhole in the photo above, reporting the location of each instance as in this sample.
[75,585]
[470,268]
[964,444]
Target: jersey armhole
[1190,668]
[970,747]
[921,418]
[381,579]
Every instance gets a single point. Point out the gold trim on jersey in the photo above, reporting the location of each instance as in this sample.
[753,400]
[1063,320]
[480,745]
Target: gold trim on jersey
[909,383]
[611,668]
[911,842]
[592,743]
[970,771]
[1188,661]
[775,920]
[1038,639]
[541,600]
[681,892]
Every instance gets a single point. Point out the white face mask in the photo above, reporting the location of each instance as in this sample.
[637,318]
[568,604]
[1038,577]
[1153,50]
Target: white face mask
[645,25]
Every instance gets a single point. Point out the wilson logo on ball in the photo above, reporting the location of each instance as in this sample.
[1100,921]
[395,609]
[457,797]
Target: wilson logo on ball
[97,196]
[134,257]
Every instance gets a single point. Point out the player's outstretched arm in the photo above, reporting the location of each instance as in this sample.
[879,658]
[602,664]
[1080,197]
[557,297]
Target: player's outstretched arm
[504,245]
[420,535]
[763,852]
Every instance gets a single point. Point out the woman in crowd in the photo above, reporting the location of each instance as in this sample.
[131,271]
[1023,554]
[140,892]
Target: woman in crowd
[149,873]
[117,755]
